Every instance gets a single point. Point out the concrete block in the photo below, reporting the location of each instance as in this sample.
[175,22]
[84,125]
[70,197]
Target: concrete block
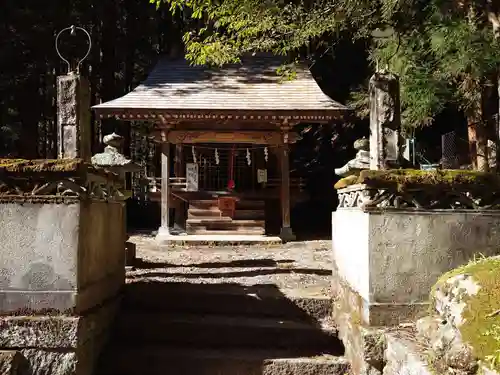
[60,257]
[391,258]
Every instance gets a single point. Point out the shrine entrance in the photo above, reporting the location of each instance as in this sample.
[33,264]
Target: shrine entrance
[226,188]
[223,139]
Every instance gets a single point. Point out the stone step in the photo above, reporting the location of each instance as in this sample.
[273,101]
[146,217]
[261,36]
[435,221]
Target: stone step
[204,204]
[224,222]
[245,231]
[240,205]
[242,214]
[228,299]
[223,330]
[175,360]
[194,213]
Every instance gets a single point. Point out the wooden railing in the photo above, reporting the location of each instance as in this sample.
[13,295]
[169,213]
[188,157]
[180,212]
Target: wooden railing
[180,184]
[176,184]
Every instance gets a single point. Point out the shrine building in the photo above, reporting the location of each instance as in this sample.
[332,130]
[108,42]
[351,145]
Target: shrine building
[224,136]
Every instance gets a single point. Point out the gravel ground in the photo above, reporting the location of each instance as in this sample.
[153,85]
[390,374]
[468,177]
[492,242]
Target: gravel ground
[300,268]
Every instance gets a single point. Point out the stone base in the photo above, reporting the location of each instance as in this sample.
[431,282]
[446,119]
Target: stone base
[13,363]
[395,256]
[360,326]
[287,234]
[59,345]
[364,346]
[163,236]
[130,254]
[403,356]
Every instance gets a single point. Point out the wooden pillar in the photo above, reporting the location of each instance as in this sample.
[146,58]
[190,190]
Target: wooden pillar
[179,171]
[286,231]
[165,191]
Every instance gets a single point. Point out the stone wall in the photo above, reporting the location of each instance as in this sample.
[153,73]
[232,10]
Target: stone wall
[61,271]
[63,257]
[386,262]
[393,257]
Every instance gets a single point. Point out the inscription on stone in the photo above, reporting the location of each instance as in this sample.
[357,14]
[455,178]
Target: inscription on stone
[191,177]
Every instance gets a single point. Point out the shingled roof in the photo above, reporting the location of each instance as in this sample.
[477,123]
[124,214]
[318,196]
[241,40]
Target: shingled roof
[252,86]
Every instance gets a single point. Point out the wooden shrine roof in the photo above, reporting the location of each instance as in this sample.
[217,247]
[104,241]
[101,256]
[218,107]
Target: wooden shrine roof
[252,89]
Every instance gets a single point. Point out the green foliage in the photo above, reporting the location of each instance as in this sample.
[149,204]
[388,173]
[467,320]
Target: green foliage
[234,27]
[403,179]
[446,60]
[42,165]
[442,50]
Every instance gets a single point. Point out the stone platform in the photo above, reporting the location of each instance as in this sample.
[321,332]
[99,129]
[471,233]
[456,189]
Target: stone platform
[216,239]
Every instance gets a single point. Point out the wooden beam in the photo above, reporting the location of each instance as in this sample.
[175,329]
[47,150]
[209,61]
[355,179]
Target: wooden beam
[165,191]
[286,230]
[210,136]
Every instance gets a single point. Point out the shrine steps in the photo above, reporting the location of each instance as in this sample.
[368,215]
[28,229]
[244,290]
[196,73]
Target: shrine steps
[221,329]
[172,360]
[250,311]
[248,204]
[217,331]
[226,299]
[205,218]
[222,225]
[194,213]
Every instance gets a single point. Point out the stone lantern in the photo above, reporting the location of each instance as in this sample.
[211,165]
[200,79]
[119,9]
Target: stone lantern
[361,160]
[112,160]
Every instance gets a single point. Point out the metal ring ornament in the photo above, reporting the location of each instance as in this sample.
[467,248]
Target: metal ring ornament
[72,29]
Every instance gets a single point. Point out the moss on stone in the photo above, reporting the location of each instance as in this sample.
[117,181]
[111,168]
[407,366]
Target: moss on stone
[41,165]
[481,328]
[403,179]
[346,181]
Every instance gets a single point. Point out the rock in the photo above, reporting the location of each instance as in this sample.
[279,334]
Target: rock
[374,345]
[44,362]
[460,357]
[450,296]
[12,363]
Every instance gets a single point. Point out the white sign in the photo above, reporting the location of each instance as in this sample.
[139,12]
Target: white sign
[191,177]
[261,176]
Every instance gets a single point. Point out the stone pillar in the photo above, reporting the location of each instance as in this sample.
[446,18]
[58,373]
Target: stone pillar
[385,121]
[286,230]
[73,117]
[163,231]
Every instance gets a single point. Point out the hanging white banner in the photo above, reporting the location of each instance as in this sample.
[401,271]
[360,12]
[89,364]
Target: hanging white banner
[261,176]
[191,177]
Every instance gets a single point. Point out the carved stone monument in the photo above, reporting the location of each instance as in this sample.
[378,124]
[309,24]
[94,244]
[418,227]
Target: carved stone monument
[361,160]
[385,121]
[73,117]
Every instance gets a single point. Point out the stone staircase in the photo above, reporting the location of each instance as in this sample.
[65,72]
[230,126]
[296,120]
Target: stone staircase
[225,312]
[196,329]
[205,217]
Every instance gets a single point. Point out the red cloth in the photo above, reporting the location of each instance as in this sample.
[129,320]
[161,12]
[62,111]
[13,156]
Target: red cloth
[230,184]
